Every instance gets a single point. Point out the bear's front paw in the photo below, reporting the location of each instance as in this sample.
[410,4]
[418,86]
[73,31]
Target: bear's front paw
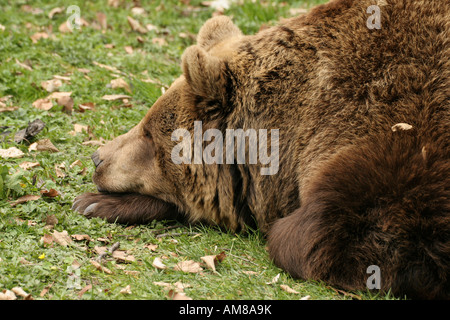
[124,208]
[88,205]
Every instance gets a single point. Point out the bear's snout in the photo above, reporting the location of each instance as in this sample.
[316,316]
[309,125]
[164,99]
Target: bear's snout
[96,158]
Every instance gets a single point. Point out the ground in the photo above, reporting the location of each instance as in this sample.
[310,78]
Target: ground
[52,252]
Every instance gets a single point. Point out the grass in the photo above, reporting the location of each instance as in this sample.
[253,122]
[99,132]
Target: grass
[48,270]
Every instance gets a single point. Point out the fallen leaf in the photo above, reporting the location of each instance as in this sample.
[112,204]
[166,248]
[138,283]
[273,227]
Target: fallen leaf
[151,247]
[7,295]
[159,41]
[21,293]
[51,220]
[51,85]
[99,267]
[305,298]
[49,193]
[128,49]
[86,106]
[45,290]
[137,11]
[28,165]
[123,256]
[43,145]
[158,264]
[288,289]
[83,70]
[120,83]
[135,25]
[66,102]
[212,260]
[101,17]
[111,97]
[104,66]
[62,238]
[178,295]
[80,237]
[47,240]
[126,290]
[11,152]
[38,35]
[84,290]
[274,279]
[59,170]
[6,109]
[55,11]
[43,104]
[188,266]
[24,65]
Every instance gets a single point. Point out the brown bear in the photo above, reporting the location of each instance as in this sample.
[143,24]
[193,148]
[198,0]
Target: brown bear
[351,105]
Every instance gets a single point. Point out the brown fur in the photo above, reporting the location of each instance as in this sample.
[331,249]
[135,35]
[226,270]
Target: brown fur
[349,192]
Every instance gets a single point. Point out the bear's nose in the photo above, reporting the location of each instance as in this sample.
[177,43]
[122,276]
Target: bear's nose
[96,159]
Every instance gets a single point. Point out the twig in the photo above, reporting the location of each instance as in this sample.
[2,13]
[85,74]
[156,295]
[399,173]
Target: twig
[113,248]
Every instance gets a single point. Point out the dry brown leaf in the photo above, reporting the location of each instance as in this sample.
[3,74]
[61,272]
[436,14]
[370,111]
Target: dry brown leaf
[123,256]
[101,17]
[47,240]
[59,95]
[99,267]
[104,66]
[11,152]
[135,25]
[86,106]
[83,70]
[49,193]
[137,11]
[7,295]
[120,83]
[62,238]
[158,264]
[45,290]
[84,290]
[126,290]
[188,266]
[28,165]
[151,247]
[288,289]
[80,237]
[178,295]
[43,104]
[39,35]
[24,199]
[21,293]
[128,49]
[59,170]
[305,297]
[6,109]
[111,97]
[51,85]
[43,145]
[24,65]
[55,11]
[274,279]
[159,41]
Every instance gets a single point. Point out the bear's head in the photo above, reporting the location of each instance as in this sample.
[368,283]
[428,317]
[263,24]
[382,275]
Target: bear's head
[142,161]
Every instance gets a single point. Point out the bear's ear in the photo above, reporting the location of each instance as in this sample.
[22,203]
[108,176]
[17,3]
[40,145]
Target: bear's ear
[206,74]
[216,30]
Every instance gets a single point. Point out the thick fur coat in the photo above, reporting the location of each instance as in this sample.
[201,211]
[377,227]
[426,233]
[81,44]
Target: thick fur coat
[363,118]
